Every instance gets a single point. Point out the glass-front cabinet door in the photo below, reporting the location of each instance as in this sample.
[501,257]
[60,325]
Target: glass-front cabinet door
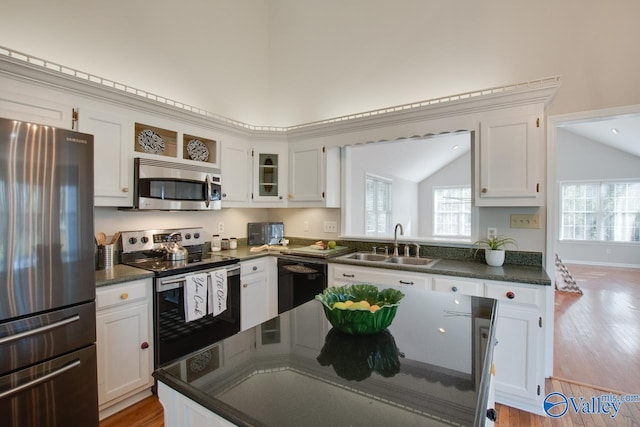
[269,174]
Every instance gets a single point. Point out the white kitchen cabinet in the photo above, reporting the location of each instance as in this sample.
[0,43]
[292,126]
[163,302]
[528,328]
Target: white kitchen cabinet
[258,293]
[180,411]
[113,167]
[30,106]
[314,176]
[519,355]
[235,168]
[269,187]
[340,274]
[510,162]
[124,344]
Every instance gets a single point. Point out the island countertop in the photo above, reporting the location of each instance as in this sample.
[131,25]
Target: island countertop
[431,366]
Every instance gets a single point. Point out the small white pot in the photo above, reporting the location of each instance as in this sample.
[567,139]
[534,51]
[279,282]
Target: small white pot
[494,257]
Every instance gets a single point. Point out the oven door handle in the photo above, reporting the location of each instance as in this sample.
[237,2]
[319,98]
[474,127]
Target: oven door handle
[167,285]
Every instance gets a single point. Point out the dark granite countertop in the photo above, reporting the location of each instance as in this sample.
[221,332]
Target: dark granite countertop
[529,274]
[432,365]
[120,273]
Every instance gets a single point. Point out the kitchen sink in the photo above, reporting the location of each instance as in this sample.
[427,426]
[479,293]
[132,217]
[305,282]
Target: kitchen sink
[367,257]
[410,261]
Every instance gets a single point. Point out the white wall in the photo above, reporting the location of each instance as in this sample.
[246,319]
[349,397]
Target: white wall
[284,62]
[596,162]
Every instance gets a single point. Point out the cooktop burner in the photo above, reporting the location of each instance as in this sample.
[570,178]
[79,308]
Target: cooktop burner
[144,249]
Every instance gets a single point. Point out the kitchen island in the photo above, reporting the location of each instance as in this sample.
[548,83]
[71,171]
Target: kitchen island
[430,367]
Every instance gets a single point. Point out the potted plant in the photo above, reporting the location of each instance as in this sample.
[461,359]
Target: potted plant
[494,249]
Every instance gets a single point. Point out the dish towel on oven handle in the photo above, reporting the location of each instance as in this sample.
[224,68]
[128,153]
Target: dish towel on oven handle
[195,296]
[217,291]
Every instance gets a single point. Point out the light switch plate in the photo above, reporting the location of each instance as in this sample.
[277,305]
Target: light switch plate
[525,221]
[330,227]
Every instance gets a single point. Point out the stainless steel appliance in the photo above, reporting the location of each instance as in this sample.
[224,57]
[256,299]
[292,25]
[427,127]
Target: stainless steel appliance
[174,336]
[47,278]
[300,279]
[160,185]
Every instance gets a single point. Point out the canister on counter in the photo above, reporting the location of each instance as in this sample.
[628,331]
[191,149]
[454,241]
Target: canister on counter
[225,244]
[233,243]
[215,242]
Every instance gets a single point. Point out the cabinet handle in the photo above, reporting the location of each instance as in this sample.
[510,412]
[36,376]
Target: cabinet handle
[454,289]
[484,190]
[125,189]
[492,415]
[405,283]
[511,295]
[348,275]
[144,345]
[124,295]
[255,267]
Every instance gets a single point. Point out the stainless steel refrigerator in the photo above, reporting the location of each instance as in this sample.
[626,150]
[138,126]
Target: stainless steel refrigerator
[47,280]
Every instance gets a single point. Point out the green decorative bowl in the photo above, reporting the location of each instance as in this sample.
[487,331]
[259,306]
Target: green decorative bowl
[360,321]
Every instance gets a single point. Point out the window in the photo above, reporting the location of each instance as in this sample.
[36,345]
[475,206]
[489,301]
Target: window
[452,211]
[377,206]
[600,211]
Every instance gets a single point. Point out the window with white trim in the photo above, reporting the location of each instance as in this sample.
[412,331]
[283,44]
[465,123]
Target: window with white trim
[452,211]
[377,206]
[600,211]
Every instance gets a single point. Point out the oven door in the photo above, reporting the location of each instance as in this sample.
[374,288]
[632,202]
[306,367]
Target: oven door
[169,186]
[299,280]
[174,337]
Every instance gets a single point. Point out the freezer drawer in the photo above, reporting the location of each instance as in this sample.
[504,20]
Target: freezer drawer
[59,392]
[29,340]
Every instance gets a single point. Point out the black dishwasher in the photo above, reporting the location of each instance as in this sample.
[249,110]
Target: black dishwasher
[300,279]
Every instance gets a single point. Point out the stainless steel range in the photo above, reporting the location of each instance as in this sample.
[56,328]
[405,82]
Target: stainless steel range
[196,294]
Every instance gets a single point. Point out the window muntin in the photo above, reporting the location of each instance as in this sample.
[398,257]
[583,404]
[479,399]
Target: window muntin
[452,211]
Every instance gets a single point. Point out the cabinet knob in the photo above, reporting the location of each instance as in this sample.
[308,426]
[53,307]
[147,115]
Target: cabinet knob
[144,345]
[484,190]
[290,196]
[255,268]
[511,295]
[492,415]
[245,285]
[224,194]
[454,289]
[125,190]
[280,197]
[124,295]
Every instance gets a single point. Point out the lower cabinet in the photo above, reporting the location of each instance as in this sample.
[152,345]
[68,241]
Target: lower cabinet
[519,355]
[125,350]
[258,292]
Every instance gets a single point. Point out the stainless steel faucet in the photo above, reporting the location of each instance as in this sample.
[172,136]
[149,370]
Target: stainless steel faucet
[395,238]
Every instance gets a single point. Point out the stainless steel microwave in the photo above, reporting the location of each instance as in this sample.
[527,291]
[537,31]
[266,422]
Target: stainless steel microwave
[160,185]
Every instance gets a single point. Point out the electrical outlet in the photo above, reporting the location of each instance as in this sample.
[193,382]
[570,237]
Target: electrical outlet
[492,232]
[330,227]
[525,221]
[221,227]
[305,226]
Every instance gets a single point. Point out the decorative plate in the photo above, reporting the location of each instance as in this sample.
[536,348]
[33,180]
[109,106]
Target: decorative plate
[150,142]
[197,150]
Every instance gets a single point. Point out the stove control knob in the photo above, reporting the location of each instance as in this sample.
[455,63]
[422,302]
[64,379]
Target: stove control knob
[133,240]
[187,236]
[196,235]
[144,239]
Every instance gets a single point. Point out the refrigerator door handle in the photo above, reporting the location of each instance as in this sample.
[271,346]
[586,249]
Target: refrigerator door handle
[39,330]
[40,380]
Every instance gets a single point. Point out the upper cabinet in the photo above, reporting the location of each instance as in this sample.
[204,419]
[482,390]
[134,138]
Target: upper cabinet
[113,166]
[269,174]
[509,163]
[235,167]
[314,177]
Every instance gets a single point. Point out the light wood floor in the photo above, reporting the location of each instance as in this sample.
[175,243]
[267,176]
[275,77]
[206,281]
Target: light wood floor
[597,349]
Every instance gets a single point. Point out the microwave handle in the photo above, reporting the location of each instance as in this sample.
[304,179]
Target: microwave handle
[207,191]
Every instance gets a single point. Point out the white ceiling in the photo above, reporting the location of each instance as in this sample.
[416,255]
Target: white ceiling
[627,139]
[415,159]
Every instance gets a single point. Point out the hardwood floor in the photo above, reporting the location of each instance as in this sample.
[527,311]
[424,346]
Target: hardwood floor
[597,334]
[597,349]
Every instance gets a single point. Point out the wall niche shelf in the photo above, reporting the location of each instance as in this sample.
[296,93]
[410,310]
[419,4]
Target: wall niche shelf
[155,140]
[199,149]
